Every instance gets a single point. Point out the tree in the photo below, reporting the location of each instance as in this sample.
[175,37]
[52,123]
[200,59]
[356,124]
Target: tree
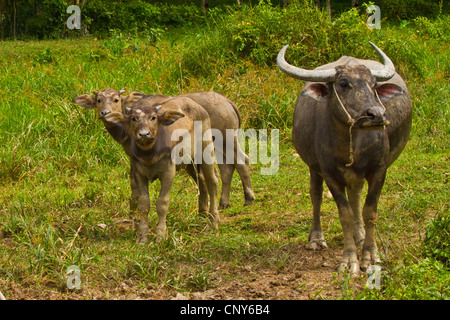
[205,4]
[318,3]
[329,8]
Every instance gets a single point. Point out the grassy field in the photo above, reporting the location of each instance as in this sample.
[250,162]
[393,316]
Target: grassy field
[64,182]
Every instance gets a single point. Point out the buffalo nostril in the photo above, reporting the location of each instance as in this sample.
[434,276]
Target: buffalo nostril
[105,112]
[375,113]
[144,133]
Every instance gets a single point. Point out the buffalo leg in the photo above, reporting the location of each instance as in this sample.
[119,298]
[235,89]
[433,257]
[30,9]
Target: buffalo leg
[350,257]
[134,195]
[162,204]
[212,185]
[203,190]
[316,237]
[354,198]
[244,172]
[143,207]
[369,253]
[226,175]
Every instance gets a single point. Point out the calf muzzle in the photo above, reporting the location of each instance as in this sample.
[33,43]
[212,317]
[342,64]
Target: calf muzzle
[104,112]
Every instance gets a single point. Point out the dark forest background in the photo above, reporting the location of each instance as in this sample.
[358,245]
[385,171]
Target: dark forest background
[46,19]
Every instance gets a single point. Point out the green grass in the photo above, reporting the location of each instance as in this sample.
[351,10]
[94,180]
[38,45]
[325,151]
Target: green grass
[64,182]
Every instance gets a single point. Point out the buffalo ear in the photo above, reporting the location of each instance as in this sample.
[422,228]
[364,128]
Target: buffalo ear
[131,98]
[85,100]
[169,117]
[317,91]
[389,91]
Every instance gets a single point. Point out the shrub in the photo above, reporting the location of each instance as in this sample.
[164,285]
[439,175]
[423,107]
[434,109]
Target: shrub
[258,33]
[409,9]
[437,240]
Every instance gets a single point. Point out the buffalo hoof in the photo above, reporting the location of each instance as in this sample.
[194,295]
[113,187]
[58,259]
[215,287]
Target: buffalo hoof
[316,240]
[369,257]
[317,245]
[249,197]
[223,205]
[215,221]
[142,239]
[352,268]
[350,264]
[161,235]
[142,233]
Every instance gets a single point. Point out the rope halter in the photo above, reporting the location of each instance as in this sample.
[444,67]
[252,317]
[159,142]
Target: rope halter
[351,122]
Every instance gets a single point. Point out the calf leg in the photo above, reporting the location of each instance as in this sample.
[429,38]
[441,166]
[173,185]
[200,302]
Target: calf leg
[143,206]
[212,186]
[162,204]
[226,175]
[241,164]
[134,195]
[369,253]
[316,238]
[203,191]
[244,172]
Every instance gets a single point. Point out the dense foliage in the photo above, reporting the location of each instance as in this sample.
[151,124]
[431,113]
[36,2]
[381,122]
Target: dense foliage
[47,18]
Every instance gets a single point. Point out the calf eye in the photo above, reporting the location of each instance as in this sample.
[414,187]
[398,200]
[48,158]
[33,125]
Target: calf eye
[153,118]
[116,100]
[134,119]
[98,100]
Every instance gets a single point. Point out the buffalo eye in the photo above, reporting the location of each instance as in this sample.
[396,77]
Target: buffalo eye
[343,83]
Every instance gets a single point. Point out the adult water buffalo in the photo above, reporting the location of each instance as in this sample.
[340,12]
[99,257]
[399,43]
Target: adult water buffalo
[351,121]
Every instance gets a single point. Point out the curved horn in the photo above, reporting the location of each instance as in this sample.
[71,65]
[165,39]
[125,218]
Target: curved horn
[389,69]
[303,74]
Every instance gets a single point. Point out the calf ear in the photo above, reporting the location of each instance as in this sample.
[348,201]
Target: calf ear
[388,91]
[85,100]
[131,98]
[169,117]
[115,117]
[317,91]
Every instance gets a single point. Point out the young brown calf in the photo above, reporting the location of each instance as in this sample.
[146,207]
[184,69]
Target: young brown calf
[151,126]
[224,116]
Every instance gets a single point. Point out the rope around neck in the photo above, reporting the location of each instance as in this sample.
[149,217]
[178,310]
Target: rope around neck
[352,122]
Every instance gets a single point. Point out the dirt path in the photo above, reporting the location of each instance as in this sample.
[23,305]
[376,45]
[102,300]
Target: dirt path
[308,275]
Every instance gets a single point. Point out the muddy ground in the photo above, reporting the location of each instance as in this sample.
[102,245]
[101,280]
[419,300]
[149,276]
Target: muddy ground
[310,276]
